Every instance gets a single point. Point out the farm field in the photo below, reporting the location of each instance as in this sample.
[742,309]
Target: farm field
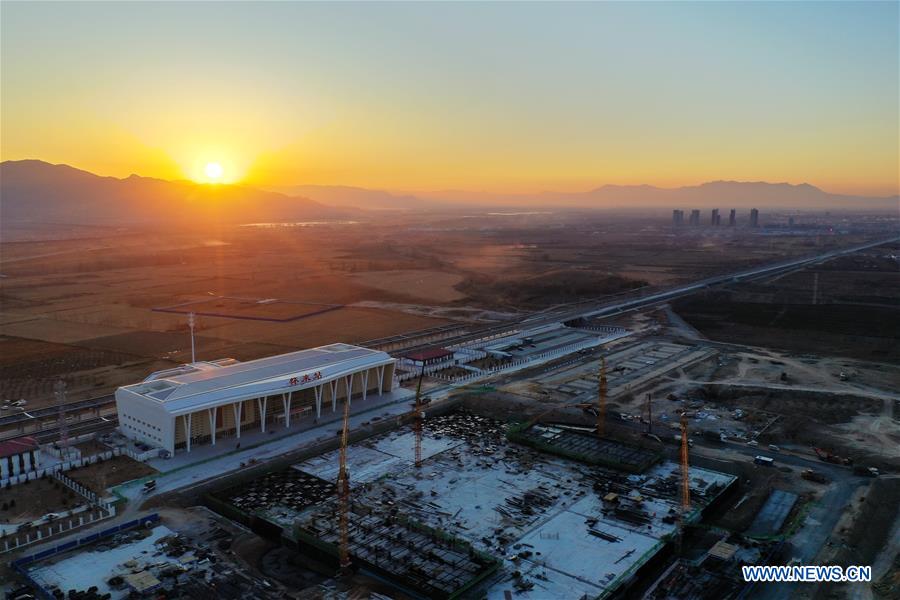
[82,308]
[838,308]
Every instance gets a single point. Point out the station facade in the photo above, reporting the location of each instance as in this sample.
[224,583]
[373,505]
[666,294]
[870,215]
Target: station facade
[203,402]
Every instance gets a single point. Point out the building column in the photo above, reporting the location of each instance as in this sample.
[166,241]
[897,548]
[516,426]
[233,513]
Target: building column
[380,372]
[319,389]
[261,405]
[365,383]
[348,382]
[3,472]
[237,408]
[186,419]
[14,461]
[212,423]
[26,459]
[334,386]
[286,401]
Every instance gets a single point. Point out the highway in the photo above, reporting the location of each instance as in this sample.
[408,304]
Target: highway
[605,307]
[584,309]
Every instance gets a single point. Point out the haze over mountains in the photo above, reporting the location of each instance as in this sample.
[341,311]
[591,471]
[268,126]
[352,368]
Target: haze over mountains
[36,191]
[716,194]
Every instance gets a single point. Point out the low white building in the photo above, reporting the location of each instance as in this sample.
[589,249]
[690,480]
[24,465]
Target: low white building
[205,401]
[19,456]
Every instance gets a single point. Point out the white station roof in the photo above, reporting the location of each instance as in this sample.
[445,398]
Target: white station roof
[205,384]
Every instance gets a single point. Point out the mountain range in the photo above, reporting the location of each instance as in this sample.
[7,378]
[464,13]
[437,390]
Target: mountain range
[715,194]
[33,191]
[36,191]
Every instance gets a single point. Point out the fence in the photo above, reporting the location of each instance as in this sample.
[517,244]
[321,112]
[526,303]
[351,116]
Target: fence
[31,533]
[518,363]
[429,369]
[78,488]
[141,456]
[63,466]
[20,565]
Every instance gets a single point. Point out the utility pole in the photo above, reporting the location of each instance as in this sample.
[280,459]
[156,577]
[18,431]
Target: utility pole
[649,414]
[59,390]
[191,321]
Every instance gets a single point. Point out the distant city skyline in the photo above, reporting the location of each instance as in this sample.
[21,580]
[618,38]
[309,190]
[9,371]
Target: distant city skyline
[501,97]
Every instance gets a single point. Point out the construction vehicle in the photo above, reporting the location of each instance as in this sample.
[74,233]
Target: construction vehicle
[826,456]
[810,475]
[866,471]
[677,439]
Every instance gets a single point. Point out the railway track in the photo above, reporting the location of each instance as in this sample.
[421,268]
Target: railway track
[583,309]
[51,434]
[642,299]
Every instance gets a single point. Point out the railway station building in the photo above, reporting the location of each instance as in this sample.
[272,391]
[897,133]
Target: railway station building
[202,402]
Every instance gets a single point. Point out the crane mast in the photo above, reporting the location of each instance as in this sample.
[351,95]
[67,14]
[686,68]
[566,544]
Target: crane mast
[601,399]
[417,424]
[343,489]
[685,477]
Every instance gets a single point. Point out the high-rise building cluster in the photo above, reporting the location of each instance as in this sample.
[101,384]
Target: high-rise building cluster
[715,218]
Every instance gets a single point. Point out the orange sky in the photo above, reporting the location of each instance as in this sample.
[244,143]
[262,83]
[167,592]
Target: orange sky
[495,97]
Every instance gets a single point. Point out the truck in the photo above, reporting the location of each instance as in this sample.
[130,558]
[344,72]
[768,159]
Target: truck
[765,461]
[677,439]
[826,456]
[866,471]
[810,475]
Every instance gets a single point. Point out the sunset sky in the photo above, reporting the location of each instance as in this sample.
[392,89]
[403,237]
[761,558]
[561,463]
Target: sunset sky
[426,96]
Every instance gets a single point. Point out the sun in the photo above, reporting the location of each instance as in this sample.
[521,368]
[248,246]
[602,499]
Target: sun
[214,171]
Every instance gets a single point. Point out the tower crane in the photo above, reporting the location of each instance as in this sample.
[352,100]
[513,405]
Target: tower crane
[343,489]
[685,477]
[417,425]
[601,399]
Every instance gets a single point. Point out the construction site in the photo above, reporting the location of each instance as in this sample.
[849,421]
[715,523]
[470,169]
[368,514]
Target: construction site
[620,455]
[459,503]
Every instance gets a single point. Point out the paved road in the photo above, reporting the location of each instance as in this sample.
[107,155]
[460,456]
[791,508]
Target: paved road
[605,307]
[822,517]
[585,309]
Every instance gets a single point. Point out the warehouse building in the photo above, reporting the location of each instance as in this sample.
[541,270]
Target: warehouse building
[201,402]
[18,456]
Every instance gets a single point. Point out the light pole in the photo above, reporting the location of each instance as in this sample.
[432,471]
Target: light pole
[191,325]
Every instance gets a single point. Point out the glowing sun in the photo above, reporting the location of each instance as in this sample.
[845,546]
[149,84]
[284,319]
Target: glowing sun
[213,171]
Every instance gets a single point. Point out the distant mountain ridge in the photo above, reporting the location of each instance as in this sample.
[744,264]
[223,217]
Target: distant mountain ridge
[37,191]
[348,196]
[33,191]
[714,194]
